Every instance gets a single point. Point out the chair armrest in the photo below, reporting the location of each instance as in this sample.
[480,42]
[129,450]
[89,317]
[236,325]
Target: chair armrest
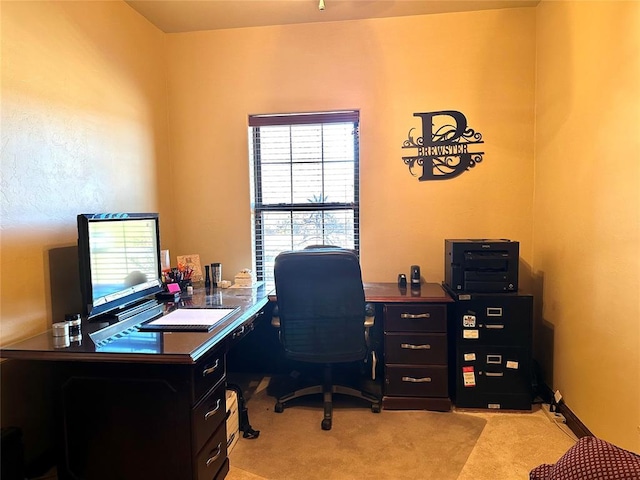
[369,315]
[275,317]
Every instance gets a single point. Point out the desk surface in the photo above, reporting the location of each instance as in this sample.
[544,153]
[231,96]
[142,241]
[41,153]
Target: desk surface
[390,292]
[376,292]
[188,347]
[151,347]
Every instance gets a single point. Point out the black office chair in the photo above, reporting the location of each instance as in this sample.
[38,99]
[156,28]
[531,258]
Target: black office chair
[321,316]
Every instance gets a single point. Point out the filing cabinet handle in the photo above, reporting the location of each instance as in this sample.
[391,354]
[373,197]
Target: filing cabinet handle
[495,326]
[211,369]
[409,346]
[494,374]
[416,380]
[215,456]
[212,411]
[415,315]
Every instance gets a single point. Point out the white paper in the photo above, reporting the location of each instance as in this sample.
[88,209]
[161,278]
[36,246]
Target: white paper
[193,316]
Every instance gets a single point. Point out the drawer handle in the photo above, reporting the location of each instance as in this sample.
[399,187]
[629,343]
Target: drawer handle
[238,332]
[409,346]
[215,456]
[211,369]
[494,374]
[415,315]
[495,326]
[416,380]
[210,413]
[230,441]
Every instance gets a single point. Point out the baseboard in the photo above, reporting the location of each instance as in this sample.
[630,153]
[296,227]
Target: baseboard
[578,428]
[573,422]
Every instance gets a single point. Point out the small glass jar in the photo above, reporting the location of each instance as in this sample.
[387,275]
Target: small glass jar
[74,320]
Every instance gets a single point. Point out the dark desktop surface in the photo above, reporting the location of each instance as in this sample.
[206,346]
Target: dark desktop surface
[130,344]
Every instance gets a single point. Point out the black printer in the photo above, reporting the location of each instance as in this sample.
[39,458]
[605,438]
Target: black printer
[481,265]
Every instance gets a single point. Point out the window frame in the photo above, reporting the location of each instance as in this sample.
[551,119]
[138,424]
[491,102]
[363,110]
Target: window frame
[257,205]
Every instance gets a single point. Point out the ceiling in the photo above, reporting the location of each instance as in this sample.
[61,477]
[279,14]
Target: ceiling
[174,16]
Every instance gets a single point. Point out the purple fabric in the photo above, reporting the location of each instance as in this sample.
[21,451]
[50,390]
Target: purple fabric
[591,459]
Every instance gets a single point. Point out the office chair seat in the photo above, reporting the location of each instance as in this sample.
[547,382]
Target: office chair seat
[321,309]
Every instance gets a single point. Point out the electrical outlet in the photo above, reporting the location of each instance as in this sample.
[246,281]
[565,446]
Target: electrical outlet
[553,416]
[557,397]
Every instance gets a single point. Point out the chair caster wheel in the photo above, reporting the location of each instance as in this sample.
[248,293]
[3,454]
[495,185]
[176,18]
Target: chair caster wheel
[375,407]
[279,408]
[326,424]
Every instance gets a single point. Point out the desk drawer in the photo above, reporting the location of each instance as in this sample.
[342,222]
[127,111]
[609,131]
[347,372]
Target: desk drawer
[416,381]
[207,373]
[212,456]
[208,416]
[415,318]
[415,348]
[222,473]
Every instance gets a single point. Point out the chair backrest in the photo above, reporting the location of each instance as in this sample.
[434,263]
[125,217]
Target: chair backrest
[321,305]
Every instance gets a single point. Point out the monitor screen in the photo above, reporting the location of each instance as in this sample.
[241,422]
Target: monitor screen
[119,258]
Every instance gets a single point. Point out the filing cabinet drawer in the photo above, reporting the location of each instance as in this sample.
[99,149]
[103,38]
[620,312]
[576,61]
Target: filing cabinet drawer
[415,318]
[213,455]
[416,381]
[415,348]
[207,373]
[494,401]
[493,369]
[208,416]
[494,319]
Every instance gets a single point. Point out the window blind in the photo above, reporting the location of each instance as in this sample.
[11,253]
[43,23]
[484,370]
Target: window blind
[305,183]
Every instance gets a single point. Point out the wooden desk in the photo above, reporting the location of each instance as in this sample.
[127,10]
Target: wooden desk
[145,404]
[414,348]
[391,293]
[415,345]
[151,405]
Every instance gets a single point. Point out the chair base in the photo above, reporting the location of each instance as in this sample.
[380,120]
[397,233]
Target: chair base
[327,389]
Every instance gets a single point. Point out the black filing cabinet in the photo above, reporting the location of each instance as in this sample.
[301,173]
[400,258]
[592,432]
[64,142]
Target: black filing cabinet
[492,349]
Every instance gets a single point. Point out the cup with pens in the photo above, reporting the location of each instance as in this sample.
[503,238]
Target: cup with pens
[182,276]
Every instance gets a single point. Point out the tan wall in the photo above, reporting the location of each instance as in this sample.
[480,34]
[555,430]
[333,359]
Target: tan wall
[83,130]
[481,64]
[587,206]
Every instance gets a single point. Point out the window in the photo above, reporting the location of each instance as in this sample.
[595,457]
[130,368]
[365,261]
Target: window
[305,186]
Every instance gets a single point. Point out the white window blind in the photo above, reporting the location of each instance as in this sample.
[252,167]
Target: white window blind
[305,190]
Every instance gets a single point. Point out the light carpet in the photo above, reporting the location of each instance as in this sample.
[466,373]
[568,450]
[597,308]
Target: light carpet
[393,444]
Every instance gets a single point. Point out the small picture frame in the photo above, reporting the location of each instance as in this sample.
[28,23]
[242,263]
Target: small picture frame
[193,263]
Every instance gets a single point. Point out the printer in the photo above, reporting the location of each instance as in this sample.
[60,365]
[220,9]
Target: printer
[481,265]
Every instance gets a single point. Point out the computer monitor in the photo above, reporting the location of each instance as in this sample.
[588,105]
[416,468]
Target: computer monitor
[119,260]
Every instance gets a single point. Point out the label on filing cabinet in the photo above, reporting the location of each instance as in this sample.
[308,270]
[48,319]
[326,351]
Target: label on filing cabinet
[470,334]
[468,377]
[469,321]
